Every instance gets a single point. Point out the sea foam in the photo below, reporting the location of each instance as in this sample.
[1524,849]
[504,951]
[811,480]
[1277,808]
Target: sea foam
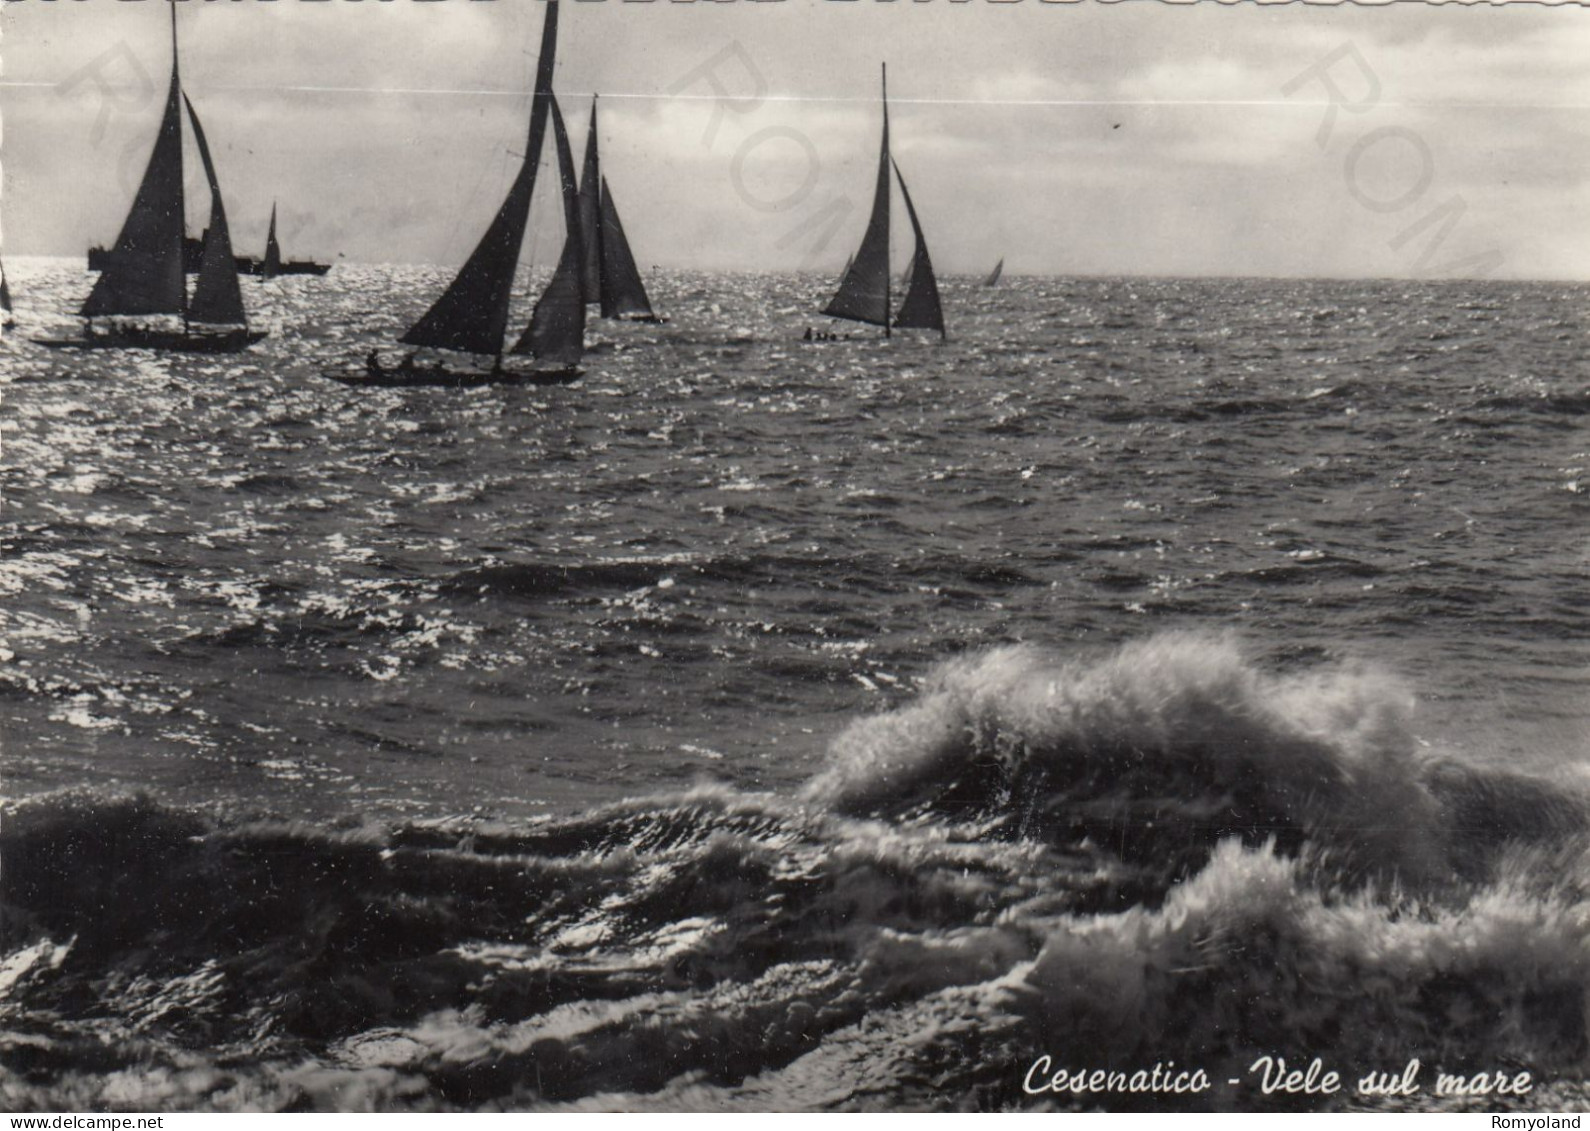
[1165,746]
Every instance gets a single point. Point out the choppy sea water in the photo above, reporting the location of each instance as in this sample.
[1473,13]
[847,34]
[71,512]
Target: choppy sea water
[1158,670]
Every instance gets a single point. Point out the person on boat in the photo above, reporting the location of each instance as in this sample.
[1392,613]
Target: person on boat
[407,364]
[808,336]
[372,361]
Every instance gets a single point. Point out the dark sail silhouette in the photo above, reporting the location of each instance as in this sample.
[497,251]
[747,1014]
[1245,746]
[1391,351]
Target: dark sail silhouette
[5,297]
[993,276]
[921,309]
[863,295]
[471,316]
[608,273]
[591,216]
[143,272]
[216,296]
[271,265]
[623,293]
[557,325]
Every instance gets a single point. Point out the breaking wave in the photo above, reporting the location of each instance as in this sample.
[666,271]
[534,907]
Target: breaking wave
[1164,852]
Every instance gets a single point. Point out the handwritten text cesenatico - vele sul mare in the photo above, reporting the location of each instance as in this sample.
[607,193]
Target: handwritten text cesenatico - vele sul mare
[1272,1075]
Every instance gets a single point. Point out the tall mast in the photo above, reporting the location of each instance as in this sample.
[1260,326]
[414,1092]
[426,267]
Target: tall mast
[886,158]
[182,204]
[143,273]
[593,171]
[471,316]
[591,216]
[864,293]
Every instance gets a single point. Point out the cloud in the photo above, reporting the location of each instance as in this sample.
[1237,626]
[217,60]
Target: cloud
[1098,138]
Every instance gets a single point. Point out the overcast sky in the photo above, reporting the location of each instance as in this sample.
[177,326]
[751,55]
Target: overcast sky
[1132,138]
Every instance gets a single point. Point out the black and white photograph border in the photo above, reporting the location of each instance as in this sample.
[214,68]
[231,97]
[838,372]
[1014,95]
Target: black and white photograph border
[794,555]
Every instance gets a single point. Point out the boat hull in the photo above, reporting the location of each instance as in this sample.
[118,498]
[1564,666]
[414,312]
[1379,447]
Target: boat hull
[135,338]
[193,256]
[379,376]
[247,266]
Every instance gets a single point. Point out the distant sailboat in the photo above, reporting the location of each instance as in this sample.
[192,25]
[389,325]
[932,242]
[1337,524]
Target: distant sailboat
[993,276]
[5,301]
[608,274]
[143,274]
[471,316]
[271,264]
[863,296]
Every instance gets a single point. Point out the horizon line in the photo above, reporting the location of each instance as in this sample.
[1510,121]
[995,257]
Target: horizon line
[340,259]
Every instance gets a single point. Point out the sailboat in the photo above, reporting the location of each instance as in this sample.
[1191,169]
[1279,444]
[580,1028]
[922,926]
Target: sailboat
[143,273]
[608,274]
[471,316]
[863,296]
[271,264]
[993,276]
[6,321]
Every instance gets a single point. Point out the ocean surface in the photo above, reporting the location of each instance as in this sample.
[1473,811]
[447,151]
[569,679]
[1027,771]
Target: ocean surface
[1159,670]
